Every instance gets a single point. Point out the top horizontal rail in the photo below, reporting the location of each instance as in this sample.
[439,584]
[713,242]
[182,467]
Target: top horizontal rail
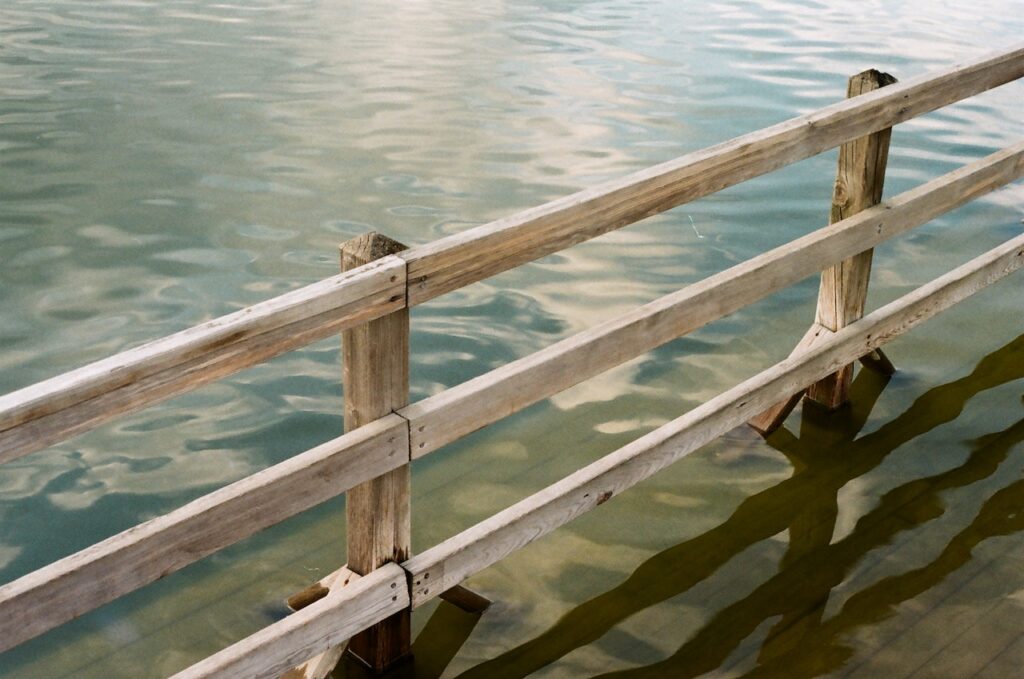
[53,410]
[463,258]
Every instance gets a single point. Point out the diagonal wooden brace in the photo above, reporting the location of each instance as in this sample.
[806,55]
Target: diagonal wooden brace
[322,665]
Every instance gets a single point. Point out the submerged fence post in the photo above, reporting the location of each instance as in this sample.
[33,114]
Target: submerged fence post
[844,287]
[375,357]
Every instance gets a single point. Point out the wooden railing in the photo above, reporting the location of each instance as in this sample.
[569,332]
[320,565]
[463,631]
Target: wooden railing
[371,598]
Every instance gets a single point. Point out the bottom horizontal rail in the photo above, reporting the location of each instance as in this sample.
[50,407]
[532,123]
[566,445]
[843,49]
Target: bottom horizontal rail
[482,545]
[318,627]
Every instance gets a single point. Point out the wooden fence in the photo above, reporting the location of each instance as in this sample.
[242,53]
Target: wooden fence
[369,600]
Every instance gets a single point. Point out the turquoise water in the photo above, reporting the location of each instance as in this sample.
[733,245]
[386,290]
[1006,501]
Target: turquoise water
[165,163]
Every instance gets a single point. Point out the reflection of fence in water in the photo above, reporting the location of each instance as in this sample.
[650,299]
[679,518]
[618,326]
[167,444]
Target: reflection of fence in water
[826,456]
[369,304]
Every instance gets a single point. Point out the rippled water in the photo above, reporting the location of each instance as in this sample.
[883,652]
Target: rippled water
[167,162]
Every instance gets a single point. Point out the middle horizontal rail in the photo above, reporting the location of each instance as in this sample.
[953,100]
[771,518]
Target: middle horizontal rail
[455,412]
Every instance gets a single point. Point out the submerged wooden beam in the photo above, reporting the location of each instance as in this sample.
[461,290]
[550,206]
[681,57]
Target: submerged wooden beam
[453,413]
[48,412]
[375,357]
[458,260]
[321,626]
[455,559]
[76,584]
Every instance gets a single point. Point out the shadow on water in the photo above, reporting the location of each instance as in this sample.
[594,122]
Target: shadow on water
[806,505]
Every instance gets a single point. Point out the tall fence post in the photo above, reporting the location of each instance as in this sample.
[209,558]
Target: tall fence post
[844,287]
[375,357]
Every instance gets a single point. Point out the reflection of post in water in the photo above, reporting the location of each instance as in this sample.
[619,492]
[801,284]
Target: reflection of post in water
[1001,514]
[825,458]
[802,587]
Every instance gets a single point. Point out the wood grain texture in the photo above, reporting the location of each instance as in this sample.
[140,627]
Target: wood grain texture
[319,627]
[51,411]
[843,293]
[375,358]
[120,564]
[483,251]
[455,559]
[460,410]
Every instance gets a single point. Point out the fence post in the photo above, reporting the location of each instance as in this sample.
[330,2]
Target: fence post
[375,357]
[844,286]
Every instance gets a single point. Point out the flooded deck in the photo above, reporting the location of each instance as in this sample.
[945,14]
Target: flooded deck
[171,162]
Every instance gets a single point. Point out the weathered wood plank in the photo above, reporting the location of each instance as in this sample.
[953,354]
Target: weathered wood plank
[50,411]
[375,359]
[461,259]
[843,293]
[455,412]
[67,588]
[455,559]
[319,627]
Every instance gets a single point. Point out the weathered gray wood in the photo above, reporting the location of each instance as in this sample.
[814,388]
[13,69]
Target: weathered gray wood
[843,293]
[90,578]
[50,411]
[461,259]
[455,412]
[455,559]
[376,382]
[319,627]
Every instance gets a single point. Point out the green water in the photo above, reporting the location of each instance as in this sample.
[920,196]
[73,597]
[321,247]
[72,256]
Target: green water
[162,163]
